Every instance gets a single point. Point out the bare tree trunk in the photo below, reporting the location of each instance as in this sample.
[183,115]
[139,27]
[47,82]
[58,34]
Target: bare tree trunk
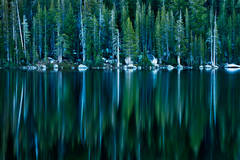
[19,24]
[179,60]
[82,32]
[14,33]
[118,49]
[211,36]
[45,34]
[100,25]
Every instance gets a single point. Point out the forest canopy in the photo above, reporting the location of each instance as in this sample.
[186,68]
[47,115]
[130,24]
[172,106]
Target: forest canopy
[89,30]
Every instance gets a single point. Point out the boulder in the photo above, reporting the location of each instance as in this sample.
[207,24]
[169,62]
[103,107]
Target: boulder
[231,66]
[82,67]
[169,67]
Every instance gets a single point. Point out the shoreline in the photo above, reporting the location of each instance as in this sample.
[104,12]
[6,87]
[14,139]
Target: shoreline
[73,67]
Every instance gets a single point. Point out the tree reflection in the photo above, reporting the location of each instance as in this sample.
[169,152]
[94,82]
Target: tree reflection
[119,115]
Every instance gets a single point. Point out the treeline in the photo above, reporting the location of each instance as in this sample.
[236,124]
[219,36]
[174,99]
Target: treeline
[193,31]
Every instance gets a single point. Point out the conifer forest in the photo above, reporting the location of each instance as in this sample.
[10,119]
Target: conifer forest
[119,79]
[190,32]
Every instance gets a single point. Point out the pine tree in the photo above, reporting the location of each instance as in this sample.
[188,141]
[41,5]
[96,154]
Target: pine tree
[158,37]
[34,48]
[69,31]
[180,39]
[187,27]
[138,26]
[26,38]
[115,37]
[39,24]
[215,41]
[149,27]
[15,51]
[82,32]
[60,38]
[129,40]
[52,28]
[202,50]
[45,34]
[165,32]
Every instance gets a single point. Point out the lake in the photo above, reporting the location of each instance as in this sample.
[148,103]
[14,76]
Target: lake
[116,114]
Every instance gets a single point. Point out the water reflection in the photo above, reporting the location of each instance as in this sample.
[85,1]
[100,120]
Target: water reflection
[119,115]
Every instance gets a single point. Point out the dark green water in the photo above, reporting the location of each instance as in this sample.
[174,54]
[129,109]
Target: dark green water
[119,115]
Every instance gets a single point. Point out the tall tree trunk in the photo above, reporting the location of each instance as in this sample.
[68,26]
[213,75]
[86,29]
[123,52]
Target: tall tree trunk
[118,48]
[19,24]
[45,34]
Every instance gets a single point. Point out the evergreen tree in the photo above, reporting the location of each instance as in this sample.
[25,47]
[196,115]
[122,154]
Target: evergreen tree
[180,39]
[26,38]
[158,37]
[45,34]
[129,40]
[138,26]
[69,31]
[34,47]
[215,42]
[40,34]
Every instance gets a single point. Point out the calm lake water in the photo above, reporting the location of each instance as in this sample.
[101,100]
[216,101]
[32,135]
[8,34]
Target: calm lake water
[119,115]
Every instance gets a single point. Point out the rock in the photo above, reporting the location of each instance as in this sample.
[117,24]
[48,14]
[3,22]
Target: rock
[180,67]
[51,60]
[42,67]
[31,68]
[201,67]
[55,67]
[72,67]
[215,67]
[231,66]
[128,61]
[169,67]
[82,67]
[231,70]
[130,67]
[208,67]
[139,67]
[188,67]
[153,60]
[24,67]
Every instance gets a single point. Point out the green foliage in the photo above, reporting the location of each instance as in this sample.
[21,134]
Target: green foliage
[69,32]
[150,25]
[129,40]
